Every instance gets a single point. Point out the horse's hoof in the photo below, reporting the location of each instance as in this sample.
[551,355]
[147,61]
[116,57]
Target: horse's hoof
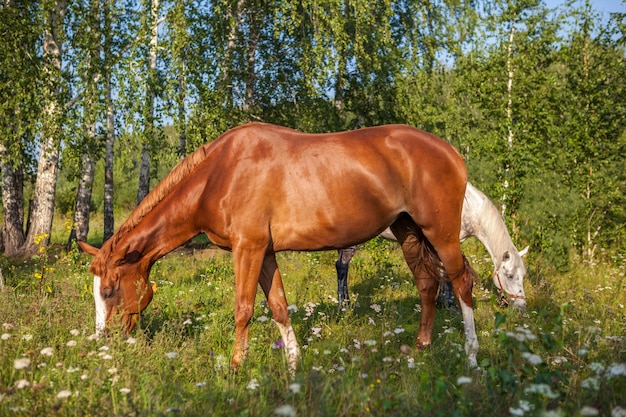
[422,346]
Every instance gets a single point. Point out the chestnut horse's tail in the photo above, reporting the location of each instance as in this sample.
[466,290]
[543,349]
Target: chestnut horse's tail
[427,256]
[423,253]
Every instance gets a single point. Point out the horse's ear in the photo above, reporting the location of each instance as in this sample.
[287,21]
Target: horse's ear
[87,248]
[523,251]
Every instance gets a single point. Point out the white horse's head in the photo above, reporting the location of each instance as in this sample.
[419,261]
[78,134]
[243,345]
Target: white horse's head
[509,277]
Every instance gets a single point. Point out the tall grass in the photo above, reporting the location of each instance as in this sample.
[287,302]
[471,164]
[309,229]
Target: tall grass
[564,356]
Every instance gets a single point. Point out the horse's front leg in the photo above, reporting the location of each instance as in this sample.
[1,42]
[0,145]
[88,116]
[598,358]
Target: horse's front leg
[462,287]
[247,264]
[272,285]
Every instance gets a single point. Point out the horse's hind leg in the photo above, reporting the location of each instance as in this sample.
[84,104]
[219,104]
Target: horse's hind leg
[272,285]
[411,241]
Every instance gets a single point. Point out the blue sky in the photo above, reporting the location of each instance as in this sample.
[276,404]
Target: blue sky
[606,6]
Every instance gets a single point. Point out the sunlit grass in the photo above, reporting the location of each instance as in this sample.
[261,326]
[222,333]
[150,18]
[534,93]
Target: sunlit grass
[565,355]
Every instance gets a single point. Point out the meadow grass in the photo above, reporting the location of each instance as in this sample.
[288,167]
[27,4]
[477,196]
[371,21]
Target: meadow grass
[564,356]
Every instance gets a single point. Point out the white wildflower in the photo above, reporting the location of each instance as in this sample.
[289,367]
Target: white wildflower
[524,406]
[591,383]
[47,351]
[131,340]
[21,363]
[376,308]
[369,342]
[294,387]
[285,411]
[187,322]
[21,384]
[74,332]
[262,319]
[64,394]
[71,343]
[5,336]
[317,331]
[463,380]
[27,337]
[618,412]
[596,367]
[398,330]
[292,308]
[253,384]
[589,411]
[616,369]
[171,355]
[532,358]
[544,390]
[125,390]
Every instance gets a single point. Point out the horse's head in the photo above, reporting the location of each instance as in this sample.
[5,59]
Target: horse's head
[120,287]
[509,277]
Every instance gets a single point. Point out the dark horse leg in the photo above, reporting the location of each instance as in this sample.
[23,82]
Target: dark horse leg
[342,265]
[445,298]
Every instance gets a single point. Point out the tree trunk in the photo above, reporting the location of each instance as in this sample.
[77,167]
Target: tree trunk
[253,40]
[83,201]
[144,171]
[40,224]
[13,206]
[509,116]
[109,219]
[233,17]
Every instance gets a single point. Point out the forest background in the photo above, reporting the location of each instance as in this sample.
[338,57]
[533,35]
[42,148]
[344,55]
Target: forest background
[99,99]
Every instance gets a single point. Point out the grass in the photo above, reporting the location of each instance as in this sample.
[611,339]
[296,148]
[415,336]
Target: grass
[564,356]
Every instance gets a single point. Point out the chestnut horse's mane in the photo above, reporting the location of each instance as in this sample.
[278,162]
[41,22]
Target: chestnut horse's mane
[159,192]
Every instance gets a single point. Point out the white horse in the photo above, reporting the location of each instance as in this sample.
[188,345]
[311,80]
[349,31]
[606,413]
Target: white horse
[481,219]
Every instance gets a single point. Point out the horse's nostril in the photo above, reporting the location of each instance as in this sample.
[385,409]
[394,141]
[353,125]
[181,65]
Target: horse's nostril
[107,292]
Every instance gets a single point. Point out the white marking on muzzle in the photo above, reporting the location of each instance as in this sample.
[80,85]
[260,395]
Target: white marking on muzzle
[101,311]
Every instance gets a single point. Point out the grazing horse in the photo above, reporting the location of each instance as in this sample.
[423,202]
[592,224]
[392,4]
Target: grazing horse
[479,218]
[259,189]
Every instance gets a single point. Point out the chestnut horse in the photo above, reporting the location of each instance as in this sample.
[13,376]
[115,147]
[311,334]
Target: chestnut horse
[259,189]
[481,219]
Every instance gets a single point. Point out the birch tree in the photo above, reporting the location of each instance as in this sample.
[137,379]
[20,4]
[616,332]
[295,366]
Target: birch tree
[20,110]
[149,111]
[42,206]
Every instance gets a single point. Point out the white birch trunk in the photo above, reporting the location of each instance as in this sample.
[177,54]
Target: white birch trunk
[144,170]
[42,208]
[509,113]
[13,207]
